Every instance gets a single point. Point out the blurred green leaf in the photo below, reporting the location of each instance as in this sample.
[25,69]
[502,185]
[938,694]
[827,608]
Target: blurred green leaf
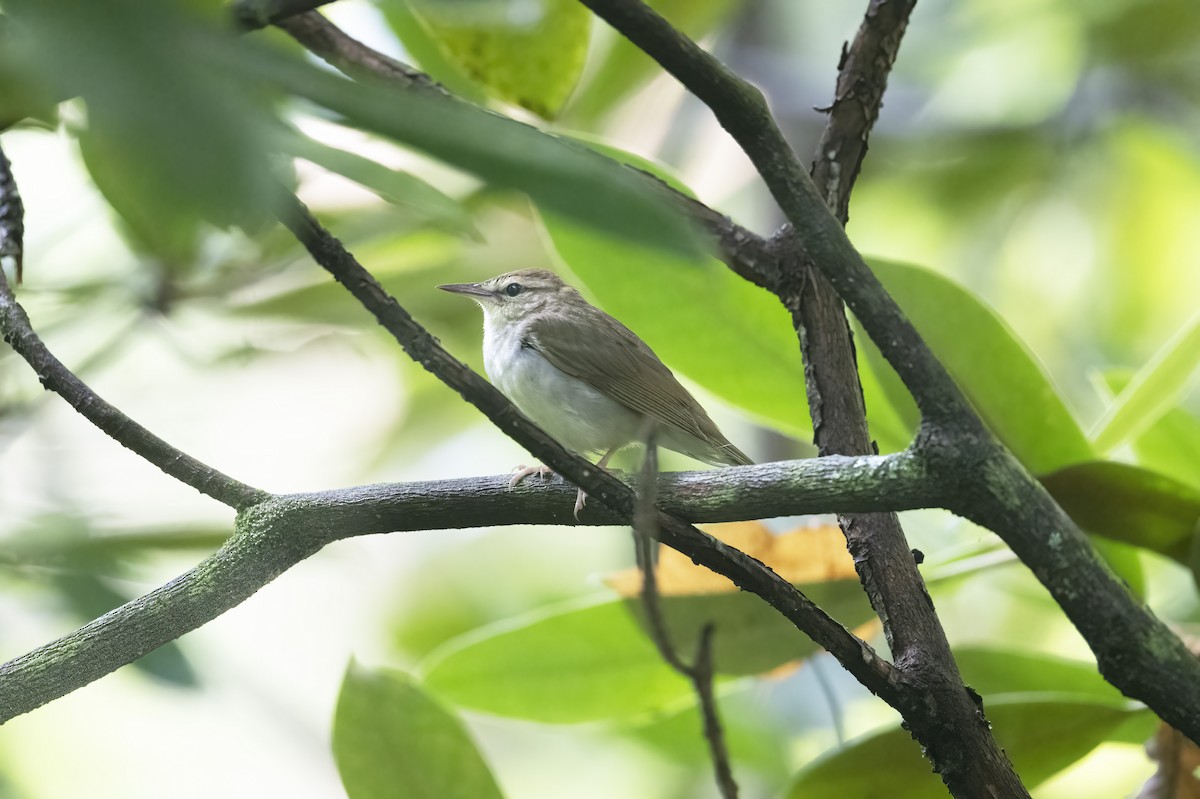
[558,175]
[1144,33]
[623,66]
[398,188]
[1041,733]
[558,666]
[1172,446]
[426,52]
[730,336]
[1169,446]
[1004,671]
[1129,504]
[753,742]
[892,414]
[1125,561]
[750,358]
[526,52]
[1144,193]
[1155,388]
[391,739]
[400,263]
[595,662]
[1001,378]
[172,137]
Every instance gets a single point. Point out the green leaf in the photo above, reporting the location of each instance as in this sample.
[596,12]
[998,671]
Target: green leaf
[1152,391]
[1002,671]
[526,52]
[172,137]
[558,175]
[402,262]
[753,742]
[402,189]
[596,662]
[1129,504]
[1169,446]
[728,335]
[999,375]
[623,66]
[1172,446]
[751,359]
[1042,736]
[426,52]
[558,666]
[391,739]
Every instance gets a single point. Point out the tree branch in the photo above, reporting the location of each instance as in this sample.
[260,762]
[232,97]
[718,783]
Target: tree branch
[742,110]
[254,14]
[275,533]
[948,721]
[745,572]
[1136,652]
[14,324]
[745,252]
[280,531]
[12,219]
[700,673]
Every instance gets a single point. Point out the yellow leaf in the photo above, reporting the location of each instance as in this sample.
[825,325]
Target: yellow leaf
[804,555]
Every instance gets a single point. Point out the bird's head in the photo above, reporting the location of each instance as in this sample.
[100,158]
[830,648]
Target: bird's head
[515,295]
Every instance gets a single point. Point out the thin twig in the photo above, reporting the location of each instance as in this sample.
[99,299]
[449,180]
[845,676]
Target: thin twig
[700,673]
[254,14]
[345,53]
[12,219]
[17,331]
[714,733]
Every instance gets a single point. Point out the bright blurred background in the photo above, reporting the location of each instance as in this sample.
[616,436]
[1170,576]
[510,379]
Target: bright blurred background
[1041,155]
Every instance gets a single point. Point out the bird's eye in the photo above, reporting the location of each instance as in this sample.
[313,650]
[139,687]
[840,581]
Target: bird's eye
[513,289]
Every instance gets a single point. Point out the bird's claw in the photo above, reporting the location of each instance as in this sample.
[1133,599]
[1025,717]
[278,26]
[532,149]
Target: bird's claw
[523,471]
[580,501]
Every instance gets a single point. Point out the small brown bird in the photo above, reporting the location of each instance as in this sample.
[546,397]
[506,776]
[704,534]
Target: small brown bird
[581,375]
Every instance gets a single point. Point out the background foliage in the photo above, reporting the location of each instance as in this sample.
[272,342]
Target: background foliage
[1028,200]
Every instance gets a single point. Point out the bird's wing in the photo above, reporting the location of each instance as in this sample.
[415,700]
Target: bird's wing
[622,367]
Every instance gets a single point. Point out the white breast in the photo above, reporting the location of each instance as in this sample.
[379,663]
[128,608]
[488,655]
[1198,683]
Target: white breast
[576,415]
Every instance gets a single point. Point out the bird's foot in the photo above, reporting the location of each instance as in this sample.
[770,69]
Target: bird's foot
[522,471]
[580,501]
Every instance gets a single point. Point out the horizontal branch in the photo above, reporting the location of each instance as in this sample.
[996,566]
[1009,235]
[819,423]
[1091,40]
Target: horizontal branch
[736,493]
[279,532]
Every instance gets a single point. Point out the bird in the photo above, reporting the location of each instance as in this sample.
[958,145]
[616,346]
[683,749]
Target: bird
[582,376]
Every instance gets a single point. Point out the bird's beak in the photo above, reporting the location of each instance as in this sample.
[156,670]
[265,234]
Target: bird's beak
[469,289]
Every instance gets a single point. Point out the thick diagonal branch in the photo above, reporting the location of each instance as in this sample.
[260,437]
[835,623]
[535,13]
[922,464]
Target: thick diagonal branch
[948,721]
[1136,652]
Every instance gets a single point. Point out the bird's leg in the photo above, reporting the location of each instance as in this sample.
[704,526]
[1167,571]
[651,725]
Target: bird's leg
[581,496]
[522,471]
